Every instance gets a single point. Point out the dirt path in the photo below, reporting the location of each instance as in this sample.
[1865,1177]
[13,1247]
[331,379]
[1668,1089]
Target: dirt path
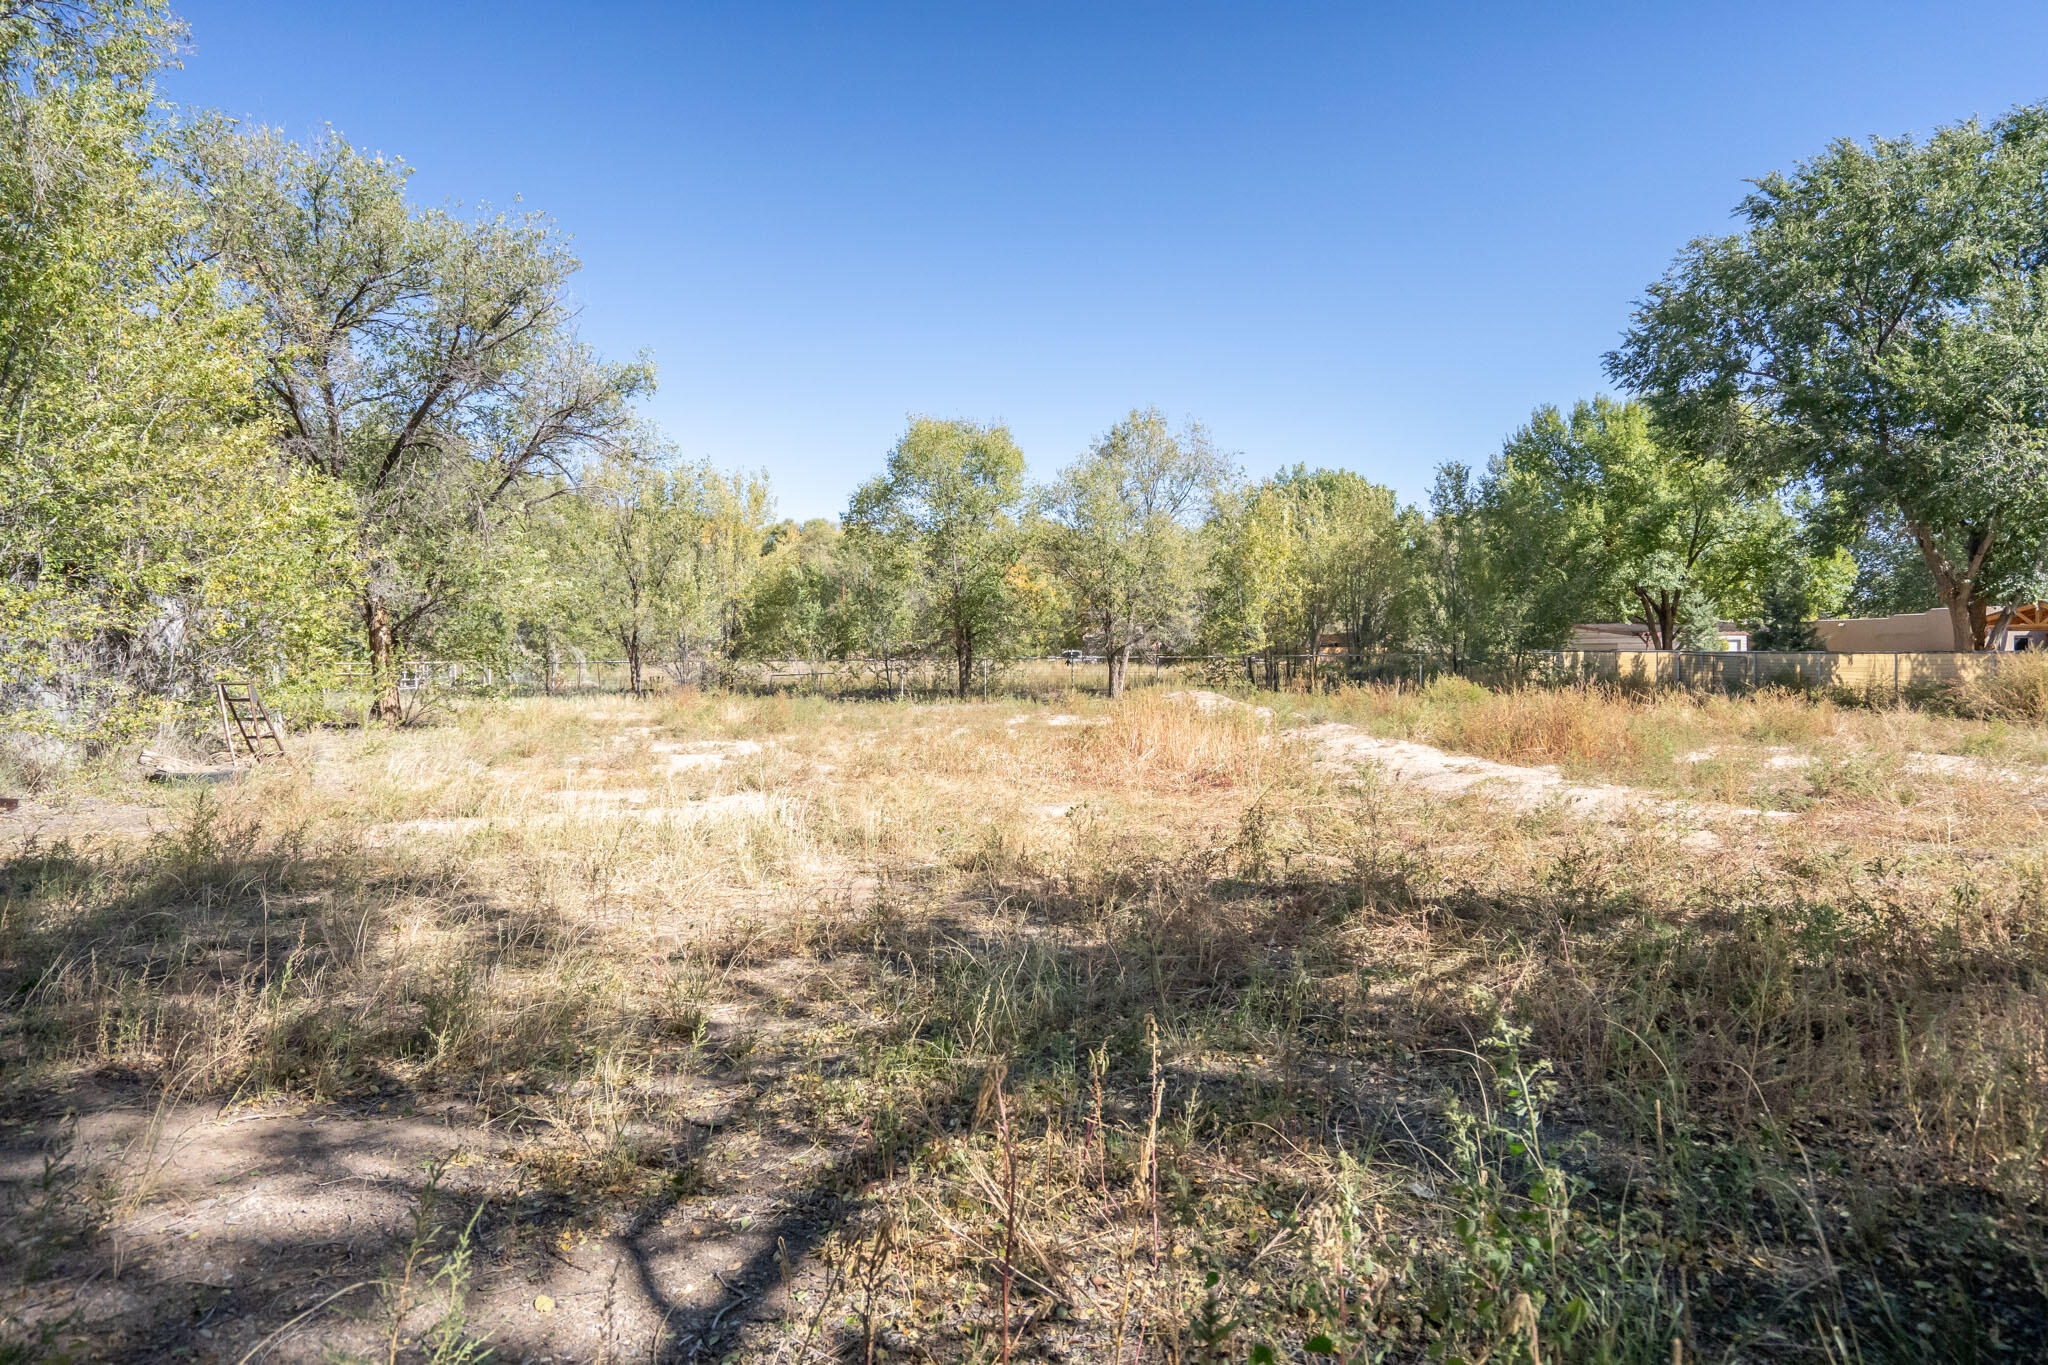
[1441,773]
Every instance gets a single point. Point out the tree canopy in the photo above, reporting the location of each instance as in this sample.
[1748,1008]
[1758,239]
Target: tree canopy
[266,414]
[1877,328]
[1120,533]
[944,517]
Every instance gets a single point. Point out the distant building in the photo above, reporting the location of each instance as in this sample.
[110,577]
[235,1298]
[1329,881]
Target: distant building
[1929,632]
[1619,636]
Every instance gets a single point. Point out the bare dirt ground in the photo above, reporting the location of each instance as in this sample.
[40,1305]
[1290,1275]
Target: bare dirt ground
[1428,769]
[258,1231]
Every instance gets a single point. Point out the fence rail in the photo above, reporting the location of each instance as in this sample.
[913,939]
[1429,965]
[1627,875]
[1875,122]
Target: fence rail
[1886,676]
[1897,675]
[1876,675]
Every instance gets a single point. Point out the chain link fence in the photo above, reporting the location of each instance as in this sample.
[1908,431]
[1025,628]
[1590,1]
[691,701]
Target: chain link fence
[1874,676]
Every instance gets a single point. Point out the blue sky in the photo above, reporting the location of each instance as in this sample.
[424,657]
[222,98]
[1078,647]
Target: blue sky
[1363,236]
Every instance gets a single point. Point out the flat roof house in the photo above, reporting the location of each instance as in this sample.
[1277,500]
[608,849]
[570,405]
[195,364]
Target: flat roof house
[1928,632]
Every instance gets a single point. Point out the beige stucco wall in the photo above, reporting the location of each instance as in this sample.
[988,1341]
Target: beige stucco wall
[1920,632]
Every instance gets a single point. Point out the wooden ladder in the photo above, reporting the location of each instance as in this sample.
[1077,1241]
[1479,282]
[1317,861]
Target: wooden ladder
[243,714]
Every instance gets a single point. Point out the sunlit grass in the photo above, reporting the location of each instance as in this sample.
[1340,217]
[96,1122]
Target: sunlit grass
[1331,1039]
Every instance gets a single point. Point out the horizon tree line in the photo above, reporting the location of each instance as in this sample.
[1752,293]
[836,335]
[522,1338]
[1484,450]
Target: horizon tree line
[265,413]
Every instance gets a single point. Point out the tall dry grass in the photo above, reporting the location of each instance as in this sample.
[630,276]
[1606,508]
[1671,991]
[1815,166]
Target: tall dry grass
[2015,690]
[1591,726]
[1218,1010]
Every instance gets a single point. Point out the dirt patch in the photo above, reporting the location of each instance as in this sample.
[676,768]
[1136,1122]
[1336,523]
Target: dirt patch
[1451,775]
[1918,763]
[79,817]
[704,754]
[1211,702]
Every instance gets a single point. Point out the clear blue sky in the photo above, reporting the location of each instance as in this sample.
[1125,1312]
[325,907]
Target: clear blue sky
[1366,236]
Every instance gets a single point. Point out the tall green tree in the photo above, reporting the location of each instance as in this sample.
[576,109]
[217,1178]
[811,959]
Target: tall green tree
[147,541]
[1357,565]
[1878,327]
[722,563]
[1304,554]
[1253,593]
[643,520]
[820,594]
[1595,517]
[421,361]
[944,515]
[1456,592]
[1121,533]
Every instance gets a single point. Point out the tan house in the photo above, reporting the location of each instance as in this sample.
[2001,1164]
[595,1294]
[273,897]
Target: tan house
[1601,637]
[1929,632]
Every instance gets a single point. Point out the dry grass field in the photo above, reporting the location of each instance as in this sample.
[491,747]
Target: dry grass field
[771,1029]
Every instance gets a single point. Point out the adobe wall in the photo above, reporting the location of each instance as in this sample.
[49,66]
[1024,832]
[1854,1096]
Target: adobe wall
[1924,632]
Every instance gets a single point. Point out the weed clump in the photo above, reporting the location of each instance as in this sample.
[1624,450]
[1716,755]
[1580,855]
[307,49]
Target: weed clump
[2015,688]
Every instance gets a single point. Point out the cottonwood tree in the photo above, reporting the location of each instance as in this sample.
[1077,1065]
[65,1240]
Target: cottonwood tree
[1297,555]
[145,543]
[422,361]
[643,520]
[1121,532]
[724,561]
[1356,557]
[645,557]
[1595,516]
[943,518]
[819,595]
[1878,328]
[1455,591]
[1254,581]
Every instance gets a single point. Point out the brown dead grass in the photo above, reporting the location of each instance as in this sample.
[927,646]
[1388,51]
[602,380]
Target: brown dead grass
[1099,1009]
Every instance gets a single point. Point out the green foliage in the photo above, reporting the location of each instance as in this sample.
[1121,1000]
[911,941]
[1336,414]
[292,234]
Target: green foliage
[1878,328]
[1891,575]
[146,542]
[1253,587]
[942,521]
[1541,1275]
[1308,553]
[657,556]
[422,362]
[1599,520]
[258,400]
[1458,595]
[1118,534]
[822,593]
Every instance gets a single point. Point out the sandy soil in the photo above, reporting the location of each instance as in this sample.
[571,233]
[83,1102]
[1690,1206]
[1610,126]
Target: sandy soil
[274,1233]
[1440,773]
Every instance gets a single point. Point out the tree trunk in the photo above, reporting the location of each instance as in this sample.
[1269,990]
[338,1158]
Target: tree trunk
[1967,616]
[631,640]
[554,663]
[964,657]
[1660,617]
[384,708]
[1119,664]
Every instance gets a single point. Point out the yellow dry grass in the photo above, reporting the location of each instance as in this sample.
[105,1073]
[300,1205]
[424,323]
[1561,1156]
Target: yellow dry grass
[1097,1009]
